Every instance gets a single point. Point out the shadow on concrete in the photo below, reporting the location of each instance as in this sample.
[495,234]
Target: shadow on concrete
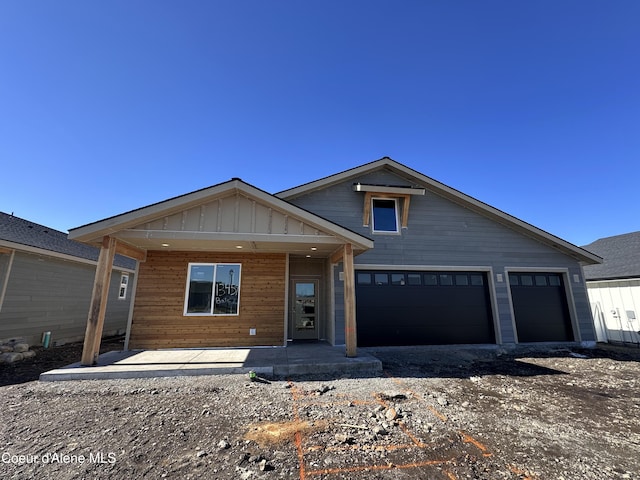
[314,360]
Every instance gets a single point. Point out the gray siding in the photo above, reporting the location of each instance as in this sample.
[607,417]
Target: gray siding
[49,294]
[442,233]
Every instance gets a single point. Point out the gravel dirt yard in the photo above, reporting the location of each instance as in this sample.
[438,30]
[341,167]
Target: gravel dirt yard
[434,414]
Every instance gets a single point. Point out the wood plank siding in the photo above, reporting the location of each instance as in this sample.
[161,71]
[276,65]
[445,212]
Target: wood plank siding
[158,319]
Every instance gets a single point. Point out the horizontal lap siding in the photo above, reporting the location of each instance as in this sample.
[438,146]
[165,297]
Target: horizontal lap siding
[443,233]
[50,294]
[158,320]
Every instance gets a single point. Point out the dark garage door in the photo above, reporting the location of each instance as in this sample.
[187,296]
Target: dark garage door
[540,307]
[422,308]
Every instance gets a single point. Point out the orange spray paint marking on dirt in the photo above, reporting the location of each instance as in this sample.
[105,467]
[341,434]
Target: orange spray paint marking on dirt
[443,418]
[298,435]
[469,439]
[450,475]
[339,402]
[413,438]
[365,468]
[365,448]
[518,471]
[403,385]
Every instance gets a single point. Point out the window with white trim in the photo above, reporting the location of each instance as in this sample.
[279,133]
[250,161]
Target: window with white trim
[385,215]
[212,289]
[124,284]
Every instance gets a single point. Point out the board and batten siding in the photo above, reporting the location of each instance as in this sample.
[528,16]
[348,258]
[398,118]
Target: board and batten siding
[442,233]
[50,294]
[158,315]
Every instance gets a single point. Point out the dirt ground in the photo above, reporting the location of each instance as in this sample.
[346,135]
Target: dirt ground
[50,358]
[434,414]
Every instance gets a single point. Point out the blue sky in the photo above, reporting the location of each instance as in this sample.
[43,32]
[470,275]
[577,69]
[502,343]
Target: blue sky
[530,106]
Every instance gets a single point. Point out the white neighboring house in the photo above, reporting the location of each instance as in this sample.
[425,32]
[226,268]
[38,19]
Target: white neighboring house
[614,288]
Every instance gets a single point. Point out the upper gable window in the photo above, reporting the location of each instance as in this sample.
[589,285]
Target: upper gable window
[386,208]
[385,215]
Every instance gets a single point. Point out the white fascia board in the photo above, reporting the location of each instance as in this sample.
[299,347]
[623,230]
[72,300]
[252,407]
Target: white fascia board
[332,179]
[94,232]
[454,195]
[312,219]
[507,219]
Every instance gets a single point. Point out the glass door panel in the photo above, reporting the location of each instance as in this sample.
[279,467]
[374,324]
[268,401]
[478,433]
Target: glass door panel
[305,312]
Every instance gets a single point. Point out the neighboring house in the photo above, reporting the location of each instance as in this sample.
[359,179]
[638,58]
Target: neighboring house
[411,259]
[46,282]
[614,288]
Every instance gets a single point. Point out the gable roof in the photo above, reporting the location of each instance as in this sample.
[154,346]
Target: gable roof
[241,213]
[16,232]
[452,194]
[621,254]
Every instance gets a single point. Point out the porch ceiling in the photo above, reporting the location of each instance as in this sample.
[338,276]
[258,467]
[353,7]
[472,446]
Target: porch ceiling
[307,245]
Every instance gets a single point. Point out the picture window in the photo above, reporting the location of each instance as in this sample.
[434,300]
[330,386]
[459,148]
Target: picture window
[213,289]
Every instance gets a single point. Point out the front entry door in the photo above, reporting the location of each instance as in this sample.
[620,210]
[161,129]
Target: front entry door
[304,311]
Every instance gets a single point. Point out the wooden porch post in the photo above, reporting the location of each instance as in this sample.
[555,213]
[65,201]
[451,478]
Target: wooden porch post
[98,306]
[349,301]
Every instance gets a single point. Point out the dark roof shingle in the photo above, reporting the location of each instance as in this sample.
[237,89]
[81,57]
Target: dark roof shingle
[17,230]
[621,254]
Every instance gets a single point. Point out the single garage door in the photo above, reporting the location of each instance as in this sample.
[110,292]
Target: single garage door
[540,307]
[422,308]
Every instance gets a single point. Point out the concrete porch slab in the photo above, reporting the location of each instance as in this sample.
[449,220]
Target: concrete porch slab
[296,359]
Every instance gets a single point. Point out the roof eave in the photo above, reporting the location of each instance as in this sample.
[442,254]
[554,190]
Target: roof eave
[94,232]
[452,194]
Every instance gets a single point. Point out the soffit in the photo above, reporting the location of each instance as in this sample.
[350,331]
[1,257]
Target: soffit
[228,217]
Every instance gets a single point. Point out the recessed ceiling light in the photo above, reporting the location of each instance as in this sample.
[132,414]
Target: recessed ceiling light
[165,244]
[308,256]
[314,248]
[239,246]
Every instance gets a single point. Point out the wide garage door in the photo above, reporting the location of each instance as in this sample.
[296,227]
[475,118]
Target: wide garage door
[422,308]
[540,307]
